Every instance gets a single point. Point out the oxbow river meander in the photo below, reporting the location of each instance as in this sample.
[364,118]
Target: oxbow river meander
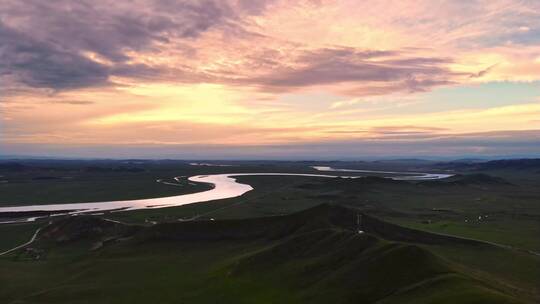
[224,186]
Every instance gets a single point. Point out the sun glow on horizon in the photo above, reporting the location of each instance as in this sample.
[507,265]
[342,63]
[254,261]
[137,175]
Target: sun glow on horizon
[278,73]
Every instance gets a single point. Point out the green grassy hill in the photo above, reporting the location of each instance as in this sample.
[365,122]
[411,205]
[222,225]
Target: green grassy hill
[313,256]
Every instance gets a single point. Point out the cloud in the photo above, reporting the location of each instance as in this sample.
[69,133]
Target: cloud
[75,102]
[191,18]
[345,70]
[230,71]
[516,143]
[331,66]
[408,129]
[68,45]
[110,28]
[255,7]
[40,64]
[345,103]
[483,72]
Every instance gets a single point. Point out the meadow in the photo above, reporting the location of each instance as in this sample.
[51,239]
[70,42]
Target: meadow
[498,206]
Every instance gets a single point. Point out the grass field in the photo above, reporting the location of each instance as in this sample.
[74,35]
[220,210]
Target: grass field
[509,214]
[38,185]
[15,234]
[307,257]
[501,206]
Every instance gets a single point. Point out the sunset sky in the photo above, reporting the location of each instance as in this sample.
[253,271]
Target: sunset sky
[269,79]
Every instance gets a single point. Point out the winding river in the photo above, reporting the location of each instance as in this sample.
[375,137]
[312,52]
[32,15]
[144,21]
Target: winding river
[400,175]
[225,186]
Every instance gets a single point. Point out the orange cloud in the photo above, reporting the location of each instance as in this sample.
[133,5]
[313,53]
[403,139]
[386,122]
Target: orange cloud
[270,72]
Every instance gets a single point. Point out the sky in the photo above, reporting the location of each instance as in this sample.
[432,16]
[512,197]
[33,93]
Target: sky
[270,79]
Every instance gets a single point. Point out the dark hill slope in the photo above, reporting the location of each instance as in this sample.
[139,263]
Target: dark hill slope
[501,164]
[329,266]
[320,217]
[325,216]
[478,179]
[314,256]
[517,164]
[77,228]
[351,184]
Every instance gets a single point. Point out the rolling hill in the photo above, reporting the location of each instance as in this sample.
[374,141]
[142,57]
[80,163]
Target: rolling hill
[326,254]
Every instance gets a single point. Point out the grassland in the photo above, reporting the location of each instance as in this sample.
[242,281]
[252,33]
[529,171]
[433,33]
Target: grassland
[315,256]
[493,205]
[508,214]
[46,183]
[15,234]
